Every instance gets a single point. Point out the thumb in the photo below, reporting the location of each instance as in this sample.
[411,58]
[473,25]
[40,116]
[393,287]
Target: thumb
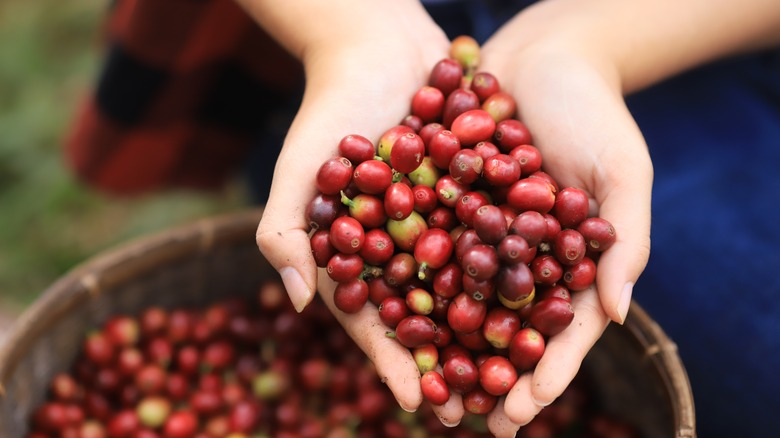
[288,251]
[282,235]
[628,209]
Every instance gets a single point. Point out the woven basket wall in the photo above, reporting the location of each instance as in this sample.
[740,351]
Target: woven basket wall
[640,375]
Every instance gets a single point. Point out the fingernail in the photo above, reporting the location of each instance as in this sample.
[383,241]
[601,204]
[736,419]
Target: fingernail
[410,410]
[299,293]
[625,301]
[540,404]
[448,423]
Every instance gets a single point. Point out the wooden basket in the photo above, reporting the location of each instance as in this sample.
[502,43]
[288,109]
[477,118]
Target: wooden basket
[641,377]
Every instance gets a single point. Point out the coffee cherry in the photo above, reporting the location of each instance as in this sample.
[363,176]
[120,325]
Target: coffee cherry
[486,150]
[465,314]
[433,249]
[529,158]
[531,194]
[466,51]
[474,126]
[323,210]
[392,310]
[458,102]
[399,201]
[571,207]
[388,138]
[373,177]
[490,224]
[350,296]
[598,233]
[406,231]
[479,402]
[343,267]
[497,375]
[334,175]
[500,326]
[442,146]
[367,209]
[500,105]
[526,348]
[569,247]
[513,249]
[501,170]
[434,388]
[511,133]
[415,331]
[356,149]
[546,269]
[347,235]
[446,75]
[407,153]
[378,247]
[466,166]
[484,85]
[580,276]
[551,316]
[515,282]
[428,103]
[460,373]
[480,262]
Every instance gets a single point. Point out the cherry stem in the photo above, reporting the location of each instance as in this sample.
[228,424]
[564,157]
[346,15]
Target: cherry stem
[370,271]
[345,200]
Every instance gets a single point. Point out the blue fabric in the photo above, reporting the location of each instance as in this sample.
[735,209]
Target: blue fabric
[713,279]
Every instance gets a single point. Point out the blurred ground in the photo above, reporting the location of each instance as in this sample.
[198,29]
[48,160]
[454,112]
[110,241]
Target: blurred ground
[49,55]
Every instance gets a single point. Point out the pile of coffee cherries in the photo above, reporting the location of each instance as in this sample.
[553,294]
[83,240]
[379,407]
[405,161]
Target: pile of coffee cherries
[451,227]
[237,369]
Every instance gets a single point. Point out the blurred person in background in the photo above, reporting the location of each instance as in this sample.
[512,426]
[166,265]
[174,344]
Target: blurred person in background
[193,92]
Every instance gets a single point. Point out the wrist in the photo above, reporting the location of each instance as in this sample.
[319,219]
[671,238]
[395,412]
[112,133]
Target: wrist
[550,37]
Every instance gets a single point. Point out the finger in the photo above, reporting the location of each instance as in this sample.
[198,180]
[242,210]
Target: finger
[499,423]
[394,363]
[451,413]
[565,351]
[282,233]
[627,207]
[519,407]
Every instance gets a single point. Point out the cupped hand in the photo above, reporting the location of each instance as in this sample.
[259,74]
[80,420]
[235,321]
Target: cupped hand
[356,84]
[570,97]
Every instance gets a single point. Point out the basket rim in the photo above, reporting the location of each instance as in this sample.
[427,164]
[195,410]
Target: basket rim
[662,351]
[88,278]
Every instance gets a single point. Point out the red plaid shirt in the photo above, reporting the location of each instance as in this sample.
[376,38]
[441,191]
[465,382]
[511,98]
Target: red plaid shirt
[183,90]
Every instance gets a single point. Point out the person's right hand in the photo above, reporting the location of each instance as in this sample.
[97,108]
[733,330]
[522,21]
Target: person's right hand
[361,73]
[569,94]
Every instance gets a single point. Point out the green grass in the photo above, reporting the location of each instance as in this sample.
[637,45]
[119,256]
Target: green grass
[50,53]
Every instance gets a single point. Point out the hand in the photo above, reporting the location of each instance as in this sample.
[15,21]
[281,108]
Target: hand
[571,100]
[358,83]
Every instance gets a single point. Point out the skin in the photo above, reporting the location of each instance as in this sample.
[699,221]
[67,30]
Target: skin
[568,64]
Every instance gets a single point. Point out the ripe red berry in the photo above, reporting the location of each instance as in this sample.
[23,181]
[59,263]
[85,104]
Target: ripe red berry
[407,153]
[474,126]
[334,175]
[347,235]
[434,388]
[497,375]
[428,103]
[356,149]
